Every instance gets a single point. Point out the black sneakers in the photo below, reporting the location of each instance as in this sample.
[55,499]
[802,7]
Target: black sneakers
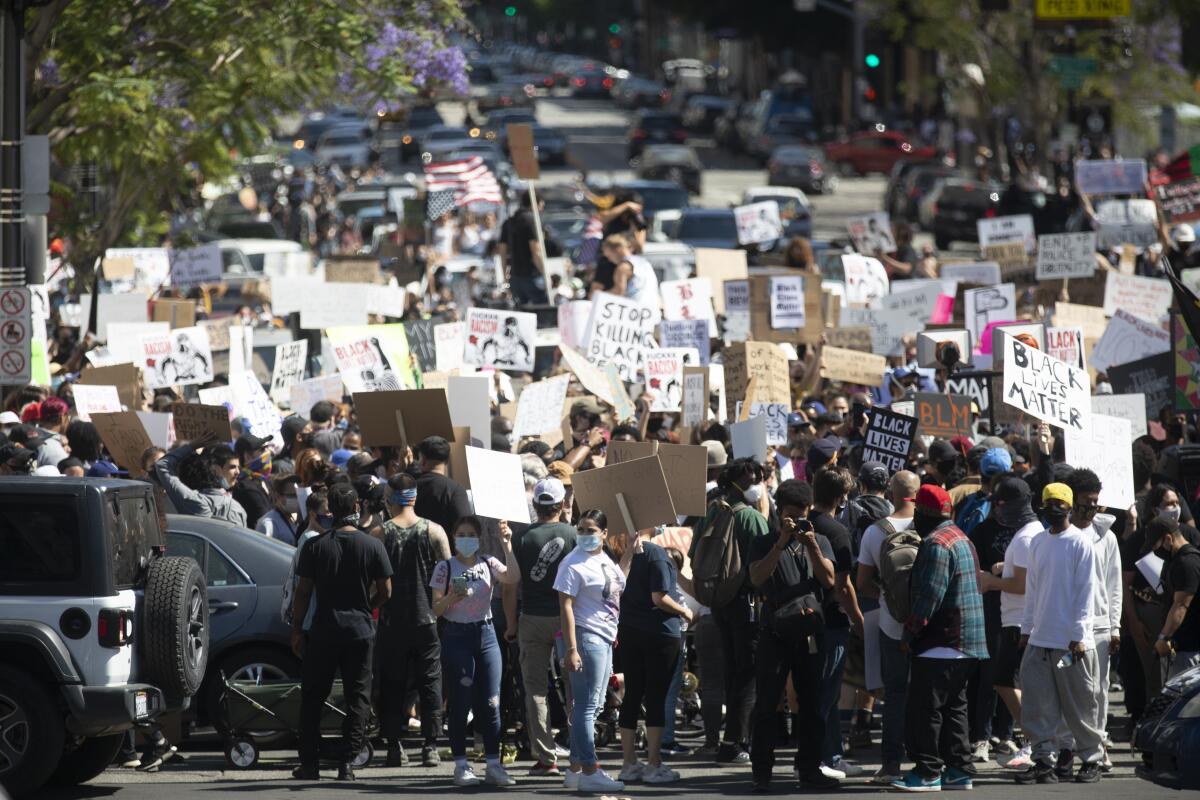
[815,780]
[345,773]
[1088,773]
[430,756]
[303,773]
[1040,772]
[1066,758]
[396,757]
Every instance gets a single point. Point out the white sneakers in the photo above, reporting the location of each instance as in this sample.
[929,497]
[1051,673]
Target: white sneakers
[849,769]
[498,776]
[632,773]
[1022,760]
[600,781]
[660,774]
[980,752]
[465,776]
[571,779]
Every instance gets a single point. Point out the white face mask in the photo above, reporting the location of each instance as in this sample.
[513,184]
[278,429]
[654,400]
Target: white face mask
[753,493]
[1172,512]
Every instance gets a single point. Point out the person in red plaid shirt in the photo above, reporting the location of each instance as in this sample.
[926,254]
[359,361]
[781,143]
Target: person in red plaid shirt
[945,635]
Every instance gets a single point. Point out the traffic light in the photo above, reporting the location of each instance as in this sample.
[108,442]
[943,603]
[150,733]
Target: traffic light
[871,60]
[511,11]
[614,29]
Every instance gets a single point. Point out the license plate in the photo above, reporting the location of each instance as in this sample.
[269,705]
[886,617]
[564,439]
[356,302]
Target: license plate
[141,705]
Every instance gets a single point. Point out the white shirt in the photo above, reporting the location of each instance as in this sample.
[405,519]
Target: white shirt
[1059,585]
[1012,606]
[596,584]
[643,283]
[1106,602]
[868,554]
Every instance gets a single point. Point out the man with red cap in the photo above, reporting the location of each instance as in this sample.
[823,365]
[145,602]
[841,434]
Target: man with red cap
[944,633]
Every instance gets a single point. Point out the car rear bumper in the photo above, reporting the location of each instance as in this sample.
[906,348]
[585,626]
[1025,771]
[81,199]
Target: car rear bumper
[101,710]
[1168,747]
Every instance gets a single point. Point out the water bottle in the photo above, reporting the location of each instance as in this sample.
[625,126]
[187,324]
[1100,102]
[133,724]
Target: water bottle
[1068,658]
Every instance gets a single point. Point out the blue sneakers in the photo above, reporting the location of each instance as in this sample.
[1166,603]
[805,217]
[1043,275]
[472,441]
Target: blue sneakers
[955,778]
[912,782]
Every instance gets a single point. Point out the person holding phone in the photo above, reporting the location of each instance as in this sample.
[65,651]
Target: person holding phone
[462,595]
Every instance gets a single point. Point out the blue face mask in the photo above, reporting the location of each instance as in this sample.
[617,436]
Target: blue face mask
[588,541]
[325,520]
[467,545]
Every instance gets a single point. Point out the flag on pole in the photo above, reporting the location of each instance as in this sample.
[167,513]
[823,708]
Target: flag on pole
[438,203]
[1185,298]
[469,178]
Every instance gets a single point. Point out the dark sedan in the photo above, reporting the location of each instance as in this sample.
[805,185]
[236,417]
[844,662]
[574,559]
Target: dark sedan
[550,145]
[591,83]
[677,163]
[657,196]
[959,205]
[706,227]
[1168,734]
[802,167]
[701,112]
[914,186]
[655,127]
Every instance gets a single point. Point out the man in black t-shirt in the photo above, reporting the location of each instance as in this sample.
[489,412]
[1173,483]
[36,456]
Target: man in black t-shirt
[439,499]
[797,563]
[522,257]
[1181,580]
[350,571]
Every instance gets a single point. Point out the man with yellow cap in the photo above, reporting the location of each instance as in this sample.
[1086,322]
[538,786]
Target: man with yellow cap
[1059,669]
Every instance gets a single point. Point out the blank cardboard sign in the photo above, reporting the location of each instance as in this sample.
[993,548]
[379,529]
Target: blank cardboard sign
[125,437]
[640,482]
[423,412]
[685,465]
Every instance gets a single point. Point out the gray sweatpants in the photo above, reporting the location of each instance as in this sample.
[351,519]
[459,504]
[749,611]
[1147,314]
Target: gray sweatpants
[1049,694]
[1066,741]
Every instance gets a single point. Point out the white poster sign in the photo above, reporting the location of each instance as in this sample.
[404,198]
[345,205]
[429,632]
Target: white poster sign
[196,265]
[1129,338]
[1130,407]
[1107,450]
[1132,222]
[251,402]
[180,358]
[750,438]
[1003,230]
[334,305]
[1111,176]
[152,265]
[448,345]
[288,370]
[1066,255]
[502,495]
[872,233]
[1044,387]
[758,223]
[501,339]
[695,399]
[1147,298]
[619,330]
[1066,344]
[572,322]
[664,376]
[364,367]
[787,301]
[981,273]
[306,394]
[95,400]
[986,305]
[288,295]
[866,279]
[540,406]
[470,405]
[737,310]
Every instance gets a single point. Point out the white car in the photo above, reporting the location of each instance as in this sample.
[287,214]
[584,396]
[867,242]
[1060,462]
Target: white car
[782,194]
[250,258]
[346,147]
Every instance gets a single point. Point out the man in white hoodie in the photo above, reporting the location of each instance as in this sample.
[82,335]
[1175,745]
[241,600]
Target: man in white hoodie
[1058,670]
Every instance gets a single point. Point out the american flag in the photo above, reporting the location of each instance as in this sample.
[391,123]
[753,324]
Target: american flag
[469,178]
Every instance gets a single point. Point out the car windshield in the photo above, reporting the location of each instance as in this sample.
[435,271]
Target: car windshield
[707,226]
[791,124]
[656,199]
[660,122]
[796,155]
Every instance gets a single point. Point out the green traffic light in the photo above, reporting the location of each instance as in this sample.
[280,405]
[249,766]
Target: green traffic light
[872,60]
[511,11]
[614,28]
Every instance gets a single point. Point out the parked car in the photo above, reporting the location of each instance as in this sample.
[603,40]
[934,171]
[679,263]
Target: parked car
[550,145]
[914,186]
[505,95]
[795,210]
[894,190]
[801,166]
[705,227]
[346,147]
[1168,734]
[657,196]
[727,127]
[442,137]
[701,112]
[415,122]
[636,92]
[591,83]
[677,163]
[874,151]
[960,204]
[777,131]
[654,127]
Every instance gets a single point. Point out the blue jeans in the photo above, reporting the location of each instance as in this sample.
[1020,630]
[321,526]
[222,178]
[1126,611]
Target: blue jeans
[894,665]
[587,687]
[673,696]
[836,640]
[471,667]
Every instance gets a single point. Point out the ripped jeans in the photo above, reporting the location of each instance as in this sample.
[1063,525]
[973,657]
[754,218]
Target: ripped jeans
[471,676]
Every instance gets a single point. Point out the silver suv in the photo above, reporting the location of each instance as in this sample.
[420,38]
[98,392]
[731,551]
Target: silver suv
[100,631]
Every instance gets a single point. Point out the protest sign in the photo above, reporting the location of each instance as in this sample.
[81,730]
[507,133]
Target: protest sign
[1187,366]
[422,342]
[685,467]
[468,397]
[871,234]
[126,338]
[152,265]
[737,310]
[1066,344]
[761,306]
[118,269]
[130,307]
[351,269]
[758,223]
[288,296]
[334,304]
[175,312]
[372,357]
[852,366]
[664,377]
[1147,298]
[688,334]
[180,358]
[750,438]
[1128,338]
[502,494]
[572,322]
[540,406]
[196,265]
[126,377]
[720,266]
[866,279]
[987,305]
[619,330]
[288,369]
[695,397]
[762,360]
[975,387]
[1151,376]
[983,273]
[1129,407]
[252,404]
[942,415]
[1107,450]
[1090,319]
[160,427]
[1179,201]
[1110,176]
[716,387]
[1040,385]
[1011,257]
[95,400]
[787,301]
[501,339]
[397,418]
[889,437]
[592,378]
[623,407]
[195,422]
[218,396]
[241,348]
[448,345]
[688,299]
[1006,230]
[218,332]
[125,439]
[1066,255]
[776,415]
[1132,222]
[642,486]
[305,394]
[896,316]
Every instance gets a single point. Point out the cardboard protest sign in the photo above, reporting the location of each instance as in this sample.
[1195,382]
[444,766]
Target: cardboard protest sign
[1011,257]
[871,234]
[124,438]
[1107,450]
[889,437]
[1129,338]
[196,265]
[351,269]
[850,337]
[943,415]
[866,279]
[787,302]
[1147,298]
[1066,344]
[750,438]
[397,418]
[1129,407]
[540,406]
[1152,376]
[126,377]
[1110,176]
[695,397]
[987,305]
[685,467]
[118,269]
[720,266]
[372,357]
[180,358]
[758,222]
[619,330]
[502,494]
[762,360]
[422,342]
[218,332]
[330,305]
[737,310]
[973,386]
[175,312]
[1043,387]
[1187,366]
[592,378]
[305,394]
[95,400]
[289,368]
[664,377]
[521,150]
[983,273]
[1006,230]
[642,486]
[852,366]
[1090,319]
[761,306]
[448,345]
[468,397]
[1066,255]
[1132,222]
[686,334]
[1179,201]
[196,422]
[130,307]
[501,339]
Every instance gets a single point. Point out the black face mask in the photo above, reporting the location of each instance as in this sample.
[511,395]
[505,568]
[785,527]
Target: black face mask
[1163,552]
[1056,516]
[925,524]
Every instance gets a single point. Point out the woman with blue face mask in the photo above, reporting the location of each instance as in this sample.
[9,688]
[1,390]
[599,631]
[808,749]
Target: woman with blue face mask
[462,595]
[589,586]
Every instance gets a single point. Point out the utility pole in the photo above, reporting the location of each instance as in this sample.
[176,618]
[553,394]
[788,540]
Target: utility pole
[12,130]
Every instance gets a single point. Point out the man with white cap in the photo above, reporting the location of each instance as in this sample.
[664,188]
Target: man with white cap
[8,421]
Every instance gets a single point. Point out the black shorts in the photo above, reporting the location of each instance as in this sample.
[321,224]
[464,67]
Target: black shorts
[1007,662]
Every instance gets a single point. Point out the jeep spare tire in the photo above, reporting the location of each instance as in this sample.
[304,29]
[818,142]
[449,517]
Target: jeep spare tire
[174,630]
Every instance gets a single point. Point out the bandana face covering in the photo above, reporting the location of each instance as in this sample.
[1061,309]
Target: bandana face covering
[259,467]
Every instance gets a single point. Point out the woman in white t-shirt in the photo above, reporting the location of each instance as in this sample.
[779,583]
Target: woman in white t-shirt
[589,586]
[633,276]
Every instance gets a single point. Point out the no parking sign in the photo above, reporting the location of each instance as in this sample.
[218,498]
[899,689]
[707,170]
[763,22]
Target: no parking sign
[16,329]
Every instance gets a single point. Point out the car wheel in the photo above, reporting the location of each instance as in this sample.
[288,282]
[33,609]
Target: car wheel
[32,732]
[87,760]
[255,665]
[174,631]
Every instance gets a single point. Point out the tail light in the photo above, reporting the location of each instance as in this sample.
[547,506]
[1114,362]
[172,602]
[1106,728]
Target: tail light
[114,627]
[607,83]
[814,167]
[989,213]
[579,82]
[547,81]
[639,134]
